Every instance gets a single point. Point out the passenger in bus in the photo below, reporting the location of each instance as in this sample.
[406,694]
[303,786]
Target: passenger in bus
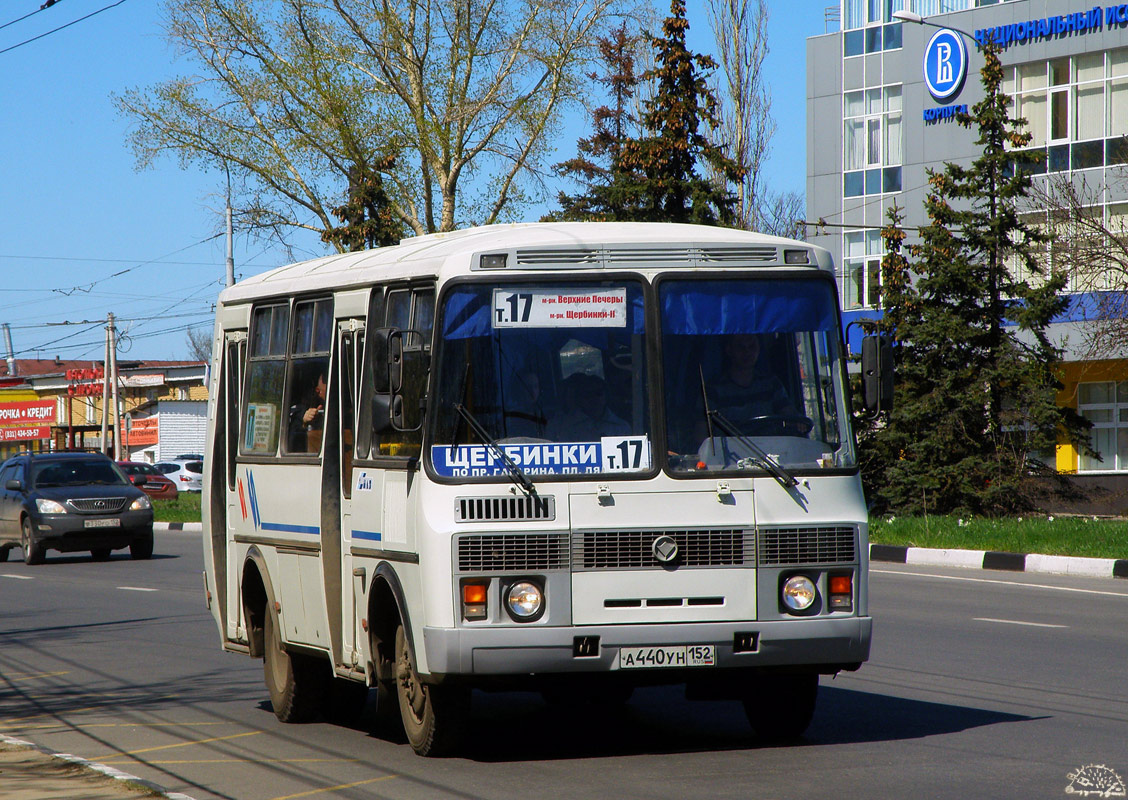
[587,417]
[307,418]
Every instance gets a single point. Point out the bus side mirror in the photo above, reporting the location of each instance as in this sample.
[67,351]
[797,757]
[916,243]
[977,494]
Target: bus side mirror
[877,374]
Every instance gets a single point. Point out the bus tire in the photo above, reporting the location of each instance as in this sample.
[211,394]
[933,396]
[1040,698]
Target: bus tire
[291,679]
[780,707]
[434,717]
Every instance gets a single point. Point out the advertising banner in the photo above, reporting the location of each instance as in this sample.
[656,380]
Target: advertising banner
[24,434]
[29,412]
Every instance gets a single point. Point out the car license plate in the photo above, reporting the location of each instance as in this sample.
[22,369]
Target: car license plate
[103,523]
[690,655]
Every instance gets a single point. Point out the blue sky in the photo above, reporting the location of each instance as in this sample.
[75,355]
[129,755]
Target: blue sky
[84,234]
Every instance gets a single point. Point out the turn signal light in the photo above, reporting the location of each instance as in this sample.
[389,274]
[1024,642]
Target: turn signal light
[474,600]
[841,593]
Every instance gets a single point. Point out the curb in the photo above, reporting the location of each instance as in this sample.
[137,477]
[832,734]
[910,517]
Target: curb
[192,527]
[1010,562]
[102,769]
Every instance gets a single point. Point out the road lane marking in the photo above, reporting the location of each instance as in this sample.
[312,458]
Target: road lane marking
[35,675]
[17,577]
[1001,583]
[1018,622]
[312,792]
[178,744]
[169,762]
[136,589]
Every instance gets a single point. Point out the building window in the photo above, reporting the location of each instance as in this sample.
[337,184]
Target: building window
[872,141]
[1076,109]
[869,26]
[861,269]
[1105,404]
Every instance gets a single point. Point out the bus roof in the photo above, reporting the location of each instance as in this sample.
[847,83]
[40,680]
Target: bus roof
[533,245]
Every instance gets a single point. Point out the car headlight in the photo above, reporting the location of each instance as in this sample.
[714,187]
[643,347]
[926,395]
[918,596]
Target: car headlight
[799,593]
[46,506]
[141,503]
[524,601]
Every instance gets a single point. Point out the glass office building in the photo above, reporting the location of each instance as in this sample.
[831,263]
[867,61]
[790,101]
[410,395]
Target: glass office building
[881,101]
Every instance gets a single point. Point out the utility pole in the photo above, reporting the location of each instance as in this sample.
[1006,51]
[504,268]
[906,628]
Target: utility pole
[106,388]
[230,238]
[114,372]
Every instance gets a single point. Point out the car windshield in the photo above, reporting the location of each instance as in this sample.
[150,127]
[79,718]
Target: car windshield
[763,359]
[135,468]
[554,374]
[75,472]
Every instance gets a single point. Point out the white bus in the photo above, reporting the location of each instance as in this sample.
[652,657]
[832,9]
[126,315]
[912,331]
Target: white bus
[569,458]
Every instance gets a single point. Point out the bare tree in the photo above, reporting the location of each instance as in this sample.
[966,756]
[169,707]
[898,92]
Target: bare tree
[740,29]
[444,94]
[199,344]
[1089,243]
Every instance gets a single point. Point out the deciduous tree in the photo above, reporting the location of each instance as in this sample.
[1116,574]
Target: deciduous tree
[293,94]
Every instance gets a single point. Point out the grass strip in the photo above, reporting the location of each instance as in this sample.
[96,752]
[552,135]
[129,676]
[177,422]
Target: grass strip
[185,508]
[1089,537]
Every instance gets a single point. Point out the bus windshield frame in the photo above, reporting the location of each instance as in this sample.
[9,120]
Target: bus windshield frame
[535,381]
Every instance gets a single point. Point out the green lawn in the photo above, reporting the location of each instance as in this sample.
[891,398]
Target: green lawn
[1066,536]
[185,508]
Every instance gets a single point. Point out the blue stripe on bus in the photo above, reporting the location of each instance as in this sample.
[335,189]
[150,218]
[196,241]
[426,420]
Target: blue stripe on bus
[373,535]
[278,526]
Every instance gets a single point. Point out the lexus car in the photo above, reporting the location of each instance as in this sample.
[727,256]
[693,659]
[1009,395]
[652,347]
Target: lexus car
[71,502]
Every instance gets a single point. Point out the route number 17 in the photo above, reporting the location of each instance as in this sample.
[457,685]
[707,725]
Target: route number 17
[622,453]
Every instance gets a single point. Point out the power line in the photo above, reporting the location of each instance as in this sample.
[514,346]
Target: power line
[61,27]
[43,7]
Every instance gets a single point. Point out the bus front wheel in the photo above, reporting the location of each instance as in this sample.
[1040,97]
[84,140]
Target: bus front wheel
[434,717]
[780,707]
[291,679]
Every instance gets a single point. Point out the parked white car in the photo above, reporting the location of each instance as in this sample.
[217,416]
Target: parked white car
[187,475]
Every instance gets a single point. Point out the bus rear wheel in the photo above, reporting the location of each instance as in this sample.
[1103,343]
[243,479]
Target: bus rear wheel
[291,679]
[434,717]
[780,707]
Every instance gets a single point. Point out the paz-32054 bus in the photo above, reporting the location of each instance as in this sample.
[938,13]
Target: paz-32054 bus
[570,458]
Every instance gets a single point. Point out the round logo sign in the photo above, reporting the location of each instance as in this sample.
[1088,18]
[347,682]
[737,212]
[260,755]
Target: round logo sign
[945,64]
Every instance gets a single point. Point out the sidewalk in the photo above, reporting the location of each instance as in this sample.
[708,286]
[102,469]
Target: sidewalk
[30,773]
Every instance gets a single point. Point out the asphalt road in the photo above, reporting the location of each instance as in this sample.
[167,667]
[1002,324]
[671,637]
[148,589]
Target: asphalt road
[981,684]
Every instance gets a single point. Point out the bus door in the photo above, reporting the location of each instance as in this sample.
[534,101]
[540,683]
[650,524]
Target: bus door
[226,562]
[350,344]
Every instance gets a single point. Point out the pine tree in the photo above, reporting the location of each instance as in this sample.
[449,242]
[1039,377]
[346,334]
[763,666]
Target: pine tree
[598,164]
[975,401]
[676,118]
[367,216]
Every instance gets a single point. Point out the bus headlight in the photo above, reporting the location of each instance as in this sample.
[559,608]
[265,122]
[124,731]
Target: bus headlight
[524,601]
[798,593]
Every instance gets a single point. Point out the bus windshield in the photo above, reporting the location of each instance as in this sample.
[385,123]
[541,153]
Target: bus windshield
[554,373]
[752,368]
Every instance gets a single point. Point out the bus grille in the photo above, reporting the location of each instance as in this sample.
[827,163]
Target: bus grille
[599,550]
[98,505]
[831,545]
[513,551]
[504,509]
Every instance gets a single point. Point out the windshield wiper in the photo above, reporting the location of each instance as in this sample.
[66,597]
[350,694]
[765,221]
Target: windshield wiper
[515,473]
[759,456]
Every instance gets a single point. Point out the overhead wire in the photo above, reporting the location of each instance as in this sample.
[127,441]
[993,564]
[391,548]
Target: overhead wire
[61,27]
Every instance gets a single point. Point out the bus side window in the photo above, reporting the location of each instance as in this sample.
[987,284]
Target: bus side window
[262,412]
[308,377]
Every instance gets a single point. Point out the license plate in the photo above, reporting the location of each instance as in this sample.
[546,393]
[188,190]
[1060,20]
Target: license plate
[690,655]
[102,523]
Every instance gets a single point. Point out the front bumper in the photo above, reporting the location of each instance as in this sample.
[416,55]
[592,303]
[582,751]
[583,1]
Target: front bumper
[833,643]
[68,532]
